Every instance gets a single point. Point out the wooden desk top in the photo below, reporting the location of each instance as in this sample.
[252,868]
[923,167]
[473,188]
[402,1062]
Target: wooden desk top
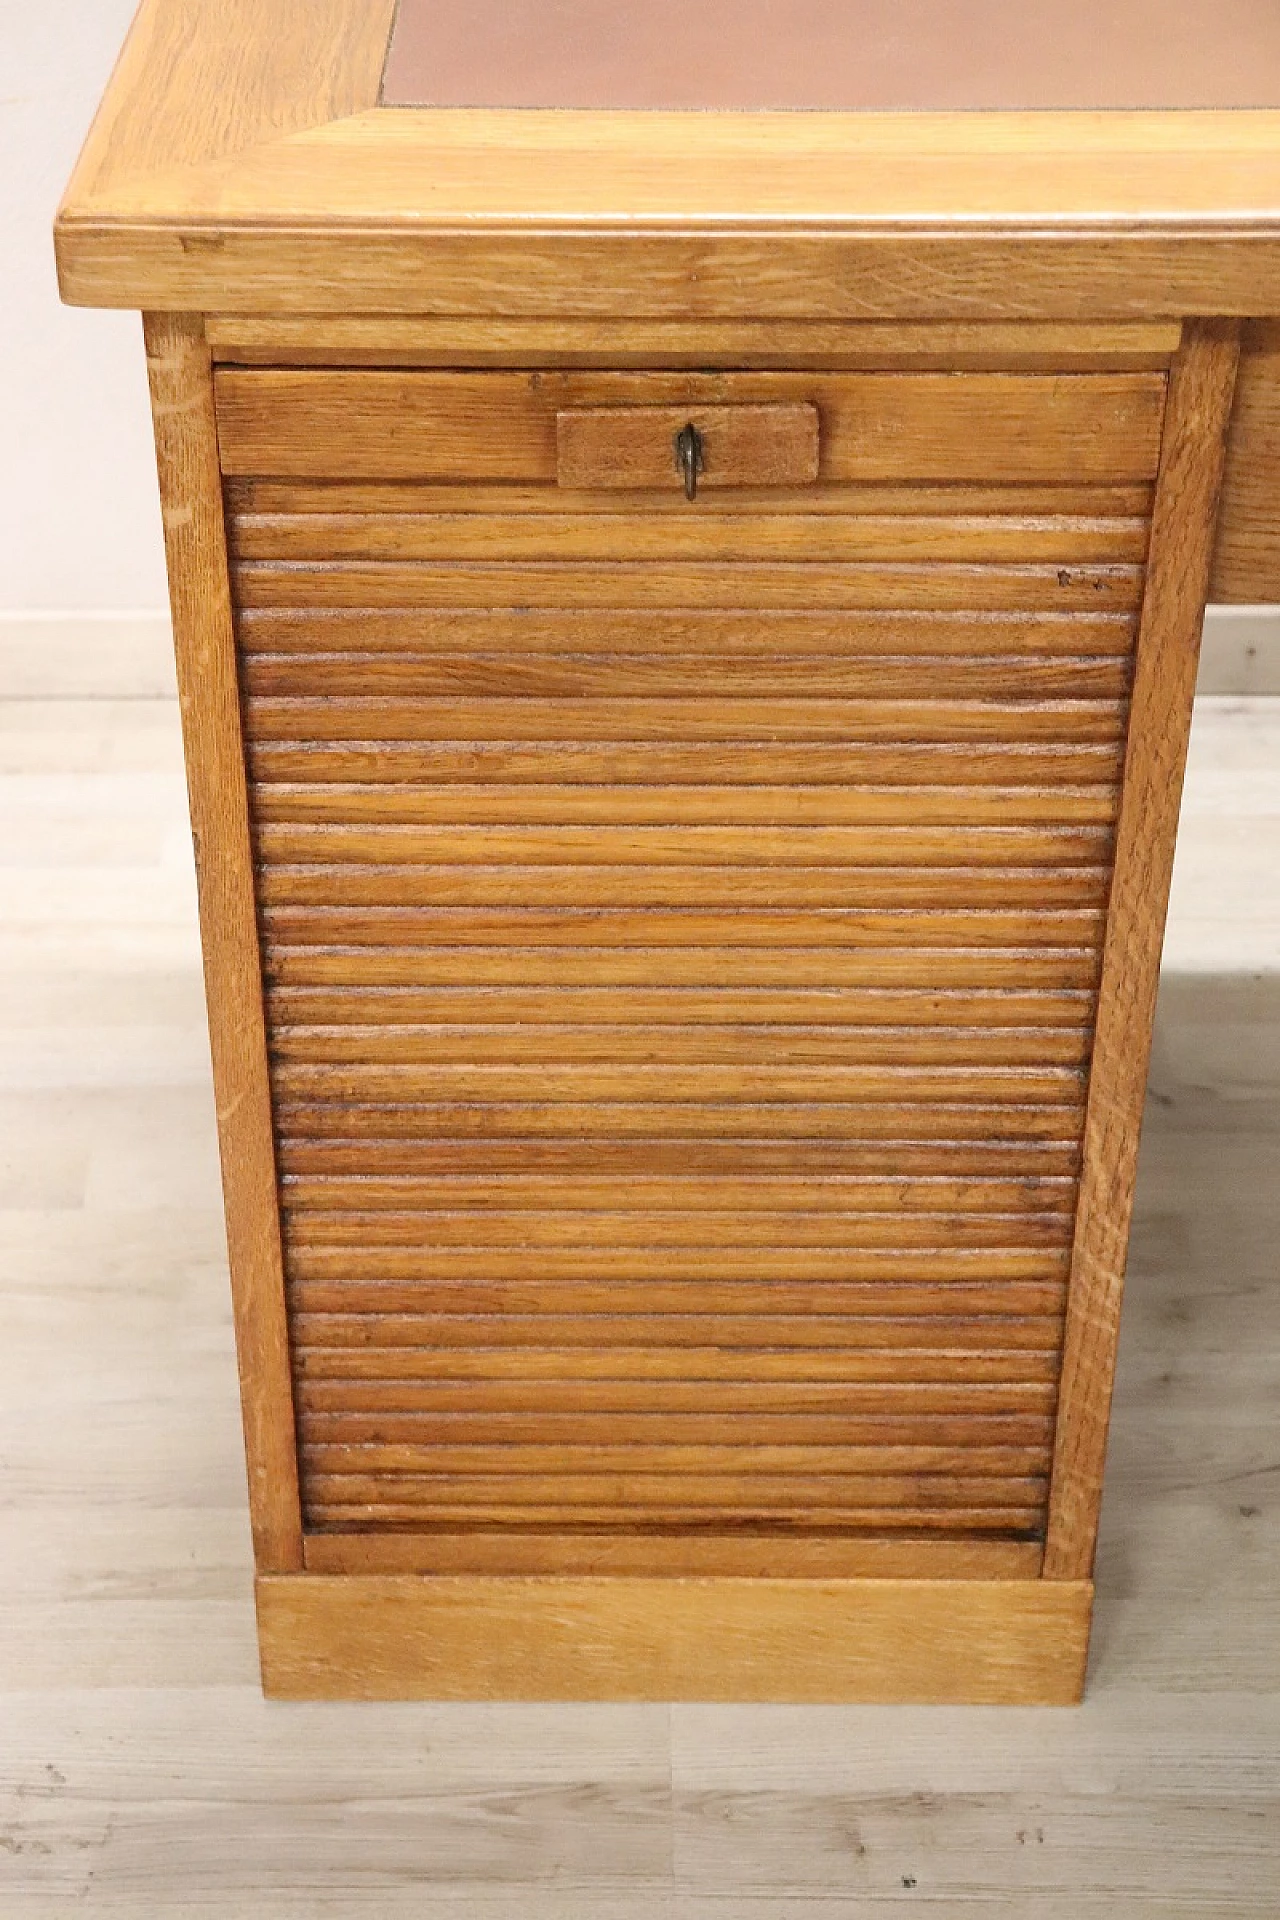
[247,158]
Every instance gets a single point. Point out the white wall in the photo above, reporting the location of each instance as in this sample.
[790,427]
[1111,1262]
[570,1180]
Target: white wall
[79,519]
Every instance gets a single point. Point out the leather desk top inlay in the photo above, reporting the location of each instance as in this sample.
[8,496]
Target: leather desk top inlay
[842,55]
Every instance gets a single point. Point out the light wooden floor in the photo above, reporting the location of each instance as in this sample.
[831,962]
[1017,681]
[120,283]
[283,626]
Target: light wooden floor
[142,1775]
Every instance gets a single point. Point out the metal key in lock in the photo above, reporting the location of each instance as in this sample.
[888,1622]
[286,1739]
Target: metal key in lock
[689,459]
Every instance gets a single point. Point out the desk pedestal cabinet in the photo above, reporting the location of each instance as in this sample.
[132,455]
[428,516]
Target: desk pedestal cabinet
[684,771]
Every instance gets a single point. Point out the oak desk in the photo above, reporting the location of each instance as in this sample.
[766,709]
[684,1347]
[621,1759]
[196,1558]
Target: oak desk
[686,627]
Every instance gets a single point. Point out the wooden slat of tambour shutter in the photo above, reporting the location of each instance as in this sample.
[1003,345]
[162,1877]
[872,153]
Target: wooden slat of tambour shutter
[914,586]
[889,766]
[632,1160]
[335,1354]
[681,940]
[726,634]
[786,536]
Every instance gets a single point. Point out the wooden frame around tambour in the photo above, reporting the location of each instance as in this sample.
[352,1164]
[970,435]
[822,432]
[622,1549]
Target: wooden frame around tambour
[630,1634]
[179,369]
[1188,484]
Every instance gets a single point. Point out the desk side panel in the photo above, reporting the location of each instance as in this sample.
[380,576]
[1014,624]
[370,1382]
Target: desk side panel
[195,544]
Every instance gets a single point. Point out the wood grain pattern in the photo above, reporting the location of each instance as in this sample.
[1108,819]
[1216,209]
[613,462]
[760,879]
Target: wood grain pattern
[674,1498]
[189,90]
[469,1637]
[532,1468]
[943,1010]
[381,339]
[521,845]
[981,1428]
[777,533]
[1164,686]
[920,274]
[989,1398]
[1246,554]
[681,1554]
[731,1039]
[1011,272]
[747,1305]
[625,1243]
[750,1081]
[551,175]
[799,1332]
[832,1192]
[406,889]
[550,803]
[875,427]
[258,495]
[850,764]
[942,1355]
[186,446]
[375,717]
[938,586]
[1068,962]
[468,1270]
[968,1523]
[498,1160]
[910,930]
[885,1119]
[1027,679]
[373,750]
[726,634]
[739,446]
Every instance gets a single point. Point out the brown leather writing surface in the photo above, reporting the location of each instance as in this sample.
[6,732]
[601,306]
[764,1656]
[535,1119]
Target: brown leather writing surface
[851,55]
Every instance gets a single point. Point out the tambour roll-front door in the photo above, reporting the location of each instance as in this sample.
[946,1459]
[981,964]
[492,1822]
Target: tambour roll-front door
[681,921]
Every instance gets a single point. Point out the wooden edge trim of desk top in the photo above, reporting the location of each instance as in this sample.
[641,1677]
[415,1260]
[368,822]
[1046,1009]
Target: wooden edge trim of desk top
[952,274]
[480,1637]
